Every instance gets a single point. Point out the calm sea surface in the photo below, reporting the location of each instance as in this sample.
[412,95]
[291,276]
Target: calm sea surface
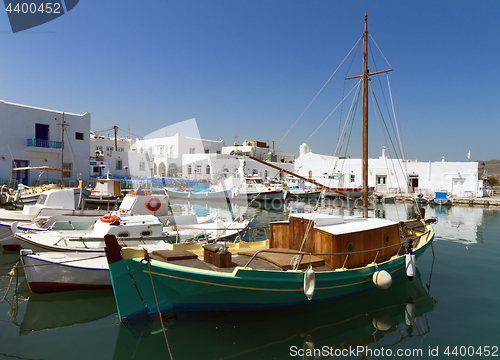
[450,310]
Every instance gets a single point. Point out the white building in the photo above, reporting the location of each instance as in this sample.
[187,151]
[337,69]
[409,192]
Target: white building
[388,175]
[32,136]
[157,155]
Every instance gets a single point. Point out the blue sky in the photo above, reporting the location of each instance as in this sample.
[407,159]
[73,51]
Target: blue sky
[249,68]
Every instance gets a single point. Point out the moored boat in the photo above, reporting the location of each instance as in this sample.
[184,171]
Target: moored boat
[275,276]
[310,258]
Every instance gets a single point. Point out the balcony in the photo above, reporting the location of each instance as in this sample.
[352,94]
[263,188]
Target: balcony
[44,143]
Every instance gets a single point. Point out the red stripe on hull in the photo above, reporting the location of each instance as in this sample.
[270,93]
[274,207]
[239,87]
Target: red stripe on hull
[49,287]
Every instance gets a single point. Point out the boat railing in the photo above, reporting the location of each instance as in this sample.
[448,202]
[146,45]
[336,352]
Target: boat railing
[239,230]
[299,256]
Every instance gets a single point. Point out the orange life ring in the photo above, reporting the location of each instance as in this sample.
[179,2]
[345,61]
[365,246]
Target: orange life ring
[156,204]
[109,218]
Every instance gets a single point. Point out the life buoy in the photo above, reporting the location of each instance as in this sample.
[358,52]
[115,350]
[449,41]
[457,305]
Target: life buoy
[153,204]
[109,218]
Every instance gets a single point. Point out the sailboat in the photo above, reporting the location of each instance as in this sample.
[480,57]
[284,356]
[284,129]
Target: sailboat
[310,258]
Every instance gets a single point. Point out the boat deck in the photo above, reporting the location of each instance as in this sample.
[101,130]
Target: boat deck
[264,261]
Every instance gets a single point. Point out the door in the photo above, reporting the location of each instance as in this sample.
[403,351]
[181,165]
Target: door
[41,135]
[413,180]
[458,187]
[381,181]
[21,176]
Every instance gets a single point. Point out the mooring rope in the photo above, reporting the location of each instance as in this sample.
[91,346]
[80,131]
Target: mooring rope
[11,273]
[148,260]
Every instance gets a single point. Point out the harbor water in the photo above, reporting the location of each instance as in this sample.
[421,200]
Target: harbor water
[449,310]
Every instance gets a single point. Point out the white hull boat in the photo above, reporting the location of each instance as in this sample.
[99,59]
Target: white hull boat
[48,272]
[131,231]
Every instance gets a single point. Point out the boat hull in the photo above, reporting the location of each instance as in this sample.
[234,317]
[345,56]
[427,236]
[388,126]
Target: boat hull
[179,288]
[222,196]
[352,192]
[265,196]
[57,272]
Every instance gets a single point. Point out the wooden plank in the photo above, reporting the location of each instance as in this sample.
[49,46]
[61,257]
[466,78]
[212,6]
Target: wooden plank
[283,260]
[170,255]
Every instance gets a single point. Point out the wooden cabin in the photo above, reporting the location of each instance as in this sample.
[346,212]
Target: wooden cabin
[336,234]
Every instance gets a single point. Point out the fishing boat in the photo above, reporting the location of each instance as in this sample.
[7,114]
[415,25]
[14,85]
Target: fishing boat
[308,259]
[131,230]
[50,203]
[254,188]
[202,191]
[298,190]
[106,191]
[441,198]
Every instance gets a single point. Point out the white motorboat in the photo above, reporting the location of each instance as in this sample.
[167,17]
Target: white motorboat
[134,230]
[57,271]
[49,203]
[255,189]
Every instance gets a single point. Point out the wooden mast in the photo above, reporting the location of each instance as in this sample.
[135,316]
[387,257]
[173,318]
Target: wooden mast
[365,120]
[366,78]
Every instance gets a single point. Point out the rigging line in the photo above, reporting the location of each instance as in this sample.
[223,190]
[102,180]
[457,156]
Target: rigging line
[400,137]
[380,50]
[333,111]
[401,162]
[380,82]
[343,88]
[382,136]
[349,116]
[318,93]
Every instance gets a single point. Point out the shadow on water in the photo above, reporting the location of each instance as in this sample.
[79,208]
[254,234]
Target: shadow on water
[375,319]
[52,311]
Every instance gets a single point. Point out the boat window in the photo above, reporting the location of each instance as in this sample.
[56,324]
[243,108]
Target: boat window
[146,233]
[123,235]
[350,246]
[41,199]
[386,238]
[259,181]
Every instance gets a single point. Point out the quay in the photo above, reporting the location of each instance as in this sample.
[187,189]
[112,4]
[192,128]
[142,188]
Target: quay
[493,200]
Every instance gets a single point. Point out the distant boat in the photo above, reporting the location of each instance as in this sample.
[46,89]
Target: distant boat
[441,198]
[106,191]
[254,188]
[420,199]
[202,191]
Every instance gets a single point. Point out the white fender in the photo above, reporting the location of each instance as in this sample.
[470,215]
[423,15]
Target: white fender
[309,282]
[382,279]
[410,265]
[410,314]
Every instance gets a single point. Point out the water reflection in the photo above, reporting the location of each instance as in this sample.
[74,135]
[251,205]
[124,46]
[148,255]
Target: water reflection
[51,311]
[391,319]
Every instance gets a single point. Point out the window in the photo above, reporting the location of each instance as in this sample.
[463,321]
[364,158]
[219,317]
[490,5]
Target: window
[119,165]
[110,148]
[142,166]
[95,169]
[353,178]
[79,136]
[207,150]
[189,169]
[192,150]
[98,147]
[120,149]
[41,132]
[208,170]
